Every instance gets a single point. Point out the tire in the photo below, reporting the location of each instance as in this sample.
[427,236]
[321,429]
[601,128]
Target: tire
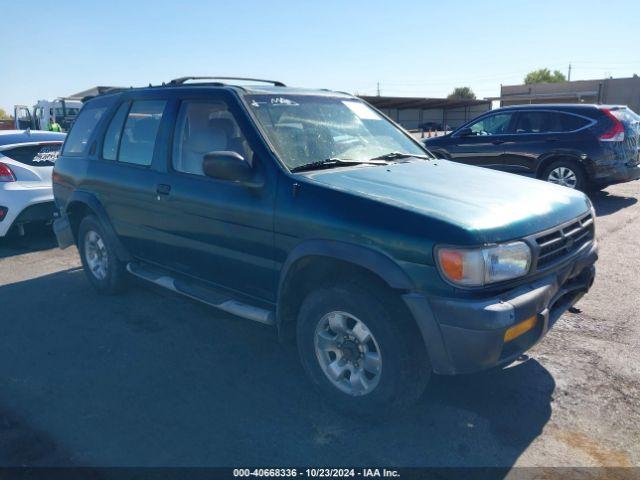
[105,272]
[567,173]
[404,365]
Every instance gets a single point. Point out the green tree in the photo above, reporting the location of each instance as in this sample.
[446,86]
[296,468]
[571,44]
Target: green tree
[462,93]
[544,75]
[4,115]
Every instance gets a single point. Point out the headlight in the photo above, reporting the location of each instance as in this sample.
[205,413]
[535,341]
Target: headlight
[474,267]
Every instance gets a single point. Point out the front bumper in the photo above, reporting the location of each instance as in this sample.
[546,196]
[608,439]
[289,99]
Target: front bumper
[466,335]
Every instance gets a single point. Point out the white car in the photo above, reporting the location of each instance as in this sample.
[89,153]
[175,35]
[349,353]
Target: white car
[26,164]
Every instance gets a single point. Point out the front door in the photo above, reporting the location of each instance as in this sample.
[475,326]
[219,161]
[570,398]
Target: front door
[216,230]
[482,142]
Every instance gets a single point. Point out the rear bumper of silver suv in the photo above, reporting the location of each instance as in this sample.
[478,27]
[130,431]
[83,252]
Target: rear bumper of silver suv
[466,335]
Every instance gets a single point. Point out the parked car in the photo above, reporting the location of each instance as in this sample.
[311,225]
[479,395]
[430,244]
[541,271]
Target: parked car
[434,126]
[26,162]
[575,145]
[309,211]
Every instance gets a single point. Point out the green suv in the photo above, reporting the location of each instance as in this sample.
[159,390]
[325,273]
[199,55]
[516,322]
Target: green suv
[310,211]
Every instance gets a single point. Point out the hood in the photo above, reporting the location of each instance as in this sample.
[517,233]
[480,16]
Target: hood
[493,206]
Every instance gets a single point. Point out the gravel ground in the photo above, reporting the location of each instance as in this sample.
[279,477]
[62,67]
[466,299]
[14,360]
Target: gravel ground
[152,379]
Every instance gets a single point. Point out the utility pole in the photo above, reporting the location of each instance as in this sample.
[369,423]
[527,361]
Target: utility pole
[378,89]
[569,75]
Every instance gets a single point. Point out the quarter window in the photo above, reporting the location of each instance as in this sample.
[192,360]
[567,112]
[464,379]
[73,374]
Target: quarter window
[492,125]
[140,132]
[114,132]
[569,123]
[84,125]
[203,127]
[548,122]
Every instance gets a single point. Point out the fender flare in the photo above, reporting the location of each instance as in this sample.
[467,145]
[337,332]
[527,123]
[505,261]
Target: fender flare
[370,259]
[557,155]
[93,204]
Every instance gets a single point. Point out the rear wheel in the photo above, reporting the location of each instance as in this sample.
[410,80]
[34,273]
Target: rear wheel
[566,173]
[101,265]
[360,350]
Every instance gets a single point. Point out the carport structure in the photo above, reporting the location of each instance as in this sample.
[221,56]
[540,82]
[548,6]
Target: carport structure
[413,112]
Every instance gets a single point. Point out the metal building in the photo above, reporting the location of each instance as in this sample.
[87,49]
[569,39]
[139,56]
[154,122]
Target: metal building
[413,112]
[614,91]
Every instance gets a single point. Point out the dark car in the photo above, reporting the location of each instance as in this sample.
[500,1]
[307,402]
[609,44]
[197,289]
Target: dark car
[577,146]
[309,211]
[434,126]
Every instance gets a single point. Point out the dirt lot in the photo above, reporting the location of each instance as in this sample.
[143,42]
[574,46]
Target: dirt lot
[152,379]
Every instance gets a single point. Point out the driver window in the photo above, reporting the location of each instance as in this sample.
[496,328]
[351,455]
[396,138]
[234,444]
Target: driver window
[205,126]
[492,125]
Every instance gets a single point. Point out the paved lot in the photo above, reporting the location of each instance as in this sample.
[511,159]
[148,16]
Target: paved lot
[149,378]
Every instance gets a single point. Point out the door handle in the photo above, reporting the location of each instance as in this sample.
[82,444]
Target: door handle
[552,139]
[498,142]
[163,189]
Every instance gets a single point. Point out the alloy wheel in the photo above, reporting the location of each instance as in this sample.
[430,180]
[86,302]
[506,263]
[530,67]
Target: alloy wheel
[563,176]
[95,252]
[348,353]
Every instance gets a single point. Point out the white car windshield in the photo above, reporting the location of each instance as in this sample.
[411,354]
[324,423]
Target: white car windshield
[306,128]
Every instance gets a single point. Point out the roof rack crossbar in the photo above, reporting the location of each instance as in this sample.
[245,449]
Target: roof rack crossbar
[183,80]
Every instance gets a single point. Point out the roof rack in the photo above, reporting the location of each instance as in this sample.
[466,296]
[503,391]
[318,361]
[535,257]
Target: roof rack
[183,80]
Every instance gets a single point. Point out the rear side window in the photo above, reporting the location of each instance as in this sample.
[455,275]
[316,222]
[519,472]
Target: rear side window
[140,132]
[569,123]
[84,125]
[114,132]
[43,155]
[537,122]
[548,122]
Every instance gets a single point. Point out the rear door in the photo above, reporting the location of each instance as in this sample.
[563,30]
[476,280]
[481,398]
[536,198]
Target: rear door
[538,133]
[124,179]
[481,143]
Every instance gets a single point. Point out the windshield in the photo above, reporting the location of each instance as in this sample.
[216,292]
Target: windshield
[306,128]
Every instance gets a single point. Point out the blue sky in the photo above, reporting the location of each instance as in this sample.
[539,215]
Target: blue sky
[420,48]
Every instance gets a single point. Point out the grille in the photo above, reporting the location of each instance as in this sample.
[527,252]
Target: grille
[564,241]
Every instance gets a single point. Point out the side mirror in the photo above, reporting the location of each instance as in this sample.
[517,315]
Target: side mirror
[227,166]
[465,132]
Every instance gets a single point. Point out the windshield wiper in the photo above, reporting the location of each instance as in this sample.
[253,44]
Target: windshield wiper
[333,162]
[399,155]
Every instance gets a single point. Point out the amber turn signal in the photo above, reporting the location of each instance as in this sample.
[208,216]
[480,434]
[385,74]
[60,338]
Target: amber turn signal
[520,328]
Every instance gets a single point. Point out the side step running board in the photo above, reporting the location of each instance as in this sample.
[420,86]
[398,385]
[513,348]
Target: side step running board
[202,294]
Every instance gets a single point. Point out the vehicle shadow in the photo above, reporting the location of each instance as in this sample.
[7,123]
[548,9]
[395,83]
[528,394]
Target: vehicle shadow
[148,378]
[605,203]
[36,238]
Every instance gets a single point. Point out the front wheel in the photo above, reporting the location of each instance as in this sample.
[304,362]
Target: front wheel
[101,265]
[360,350]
